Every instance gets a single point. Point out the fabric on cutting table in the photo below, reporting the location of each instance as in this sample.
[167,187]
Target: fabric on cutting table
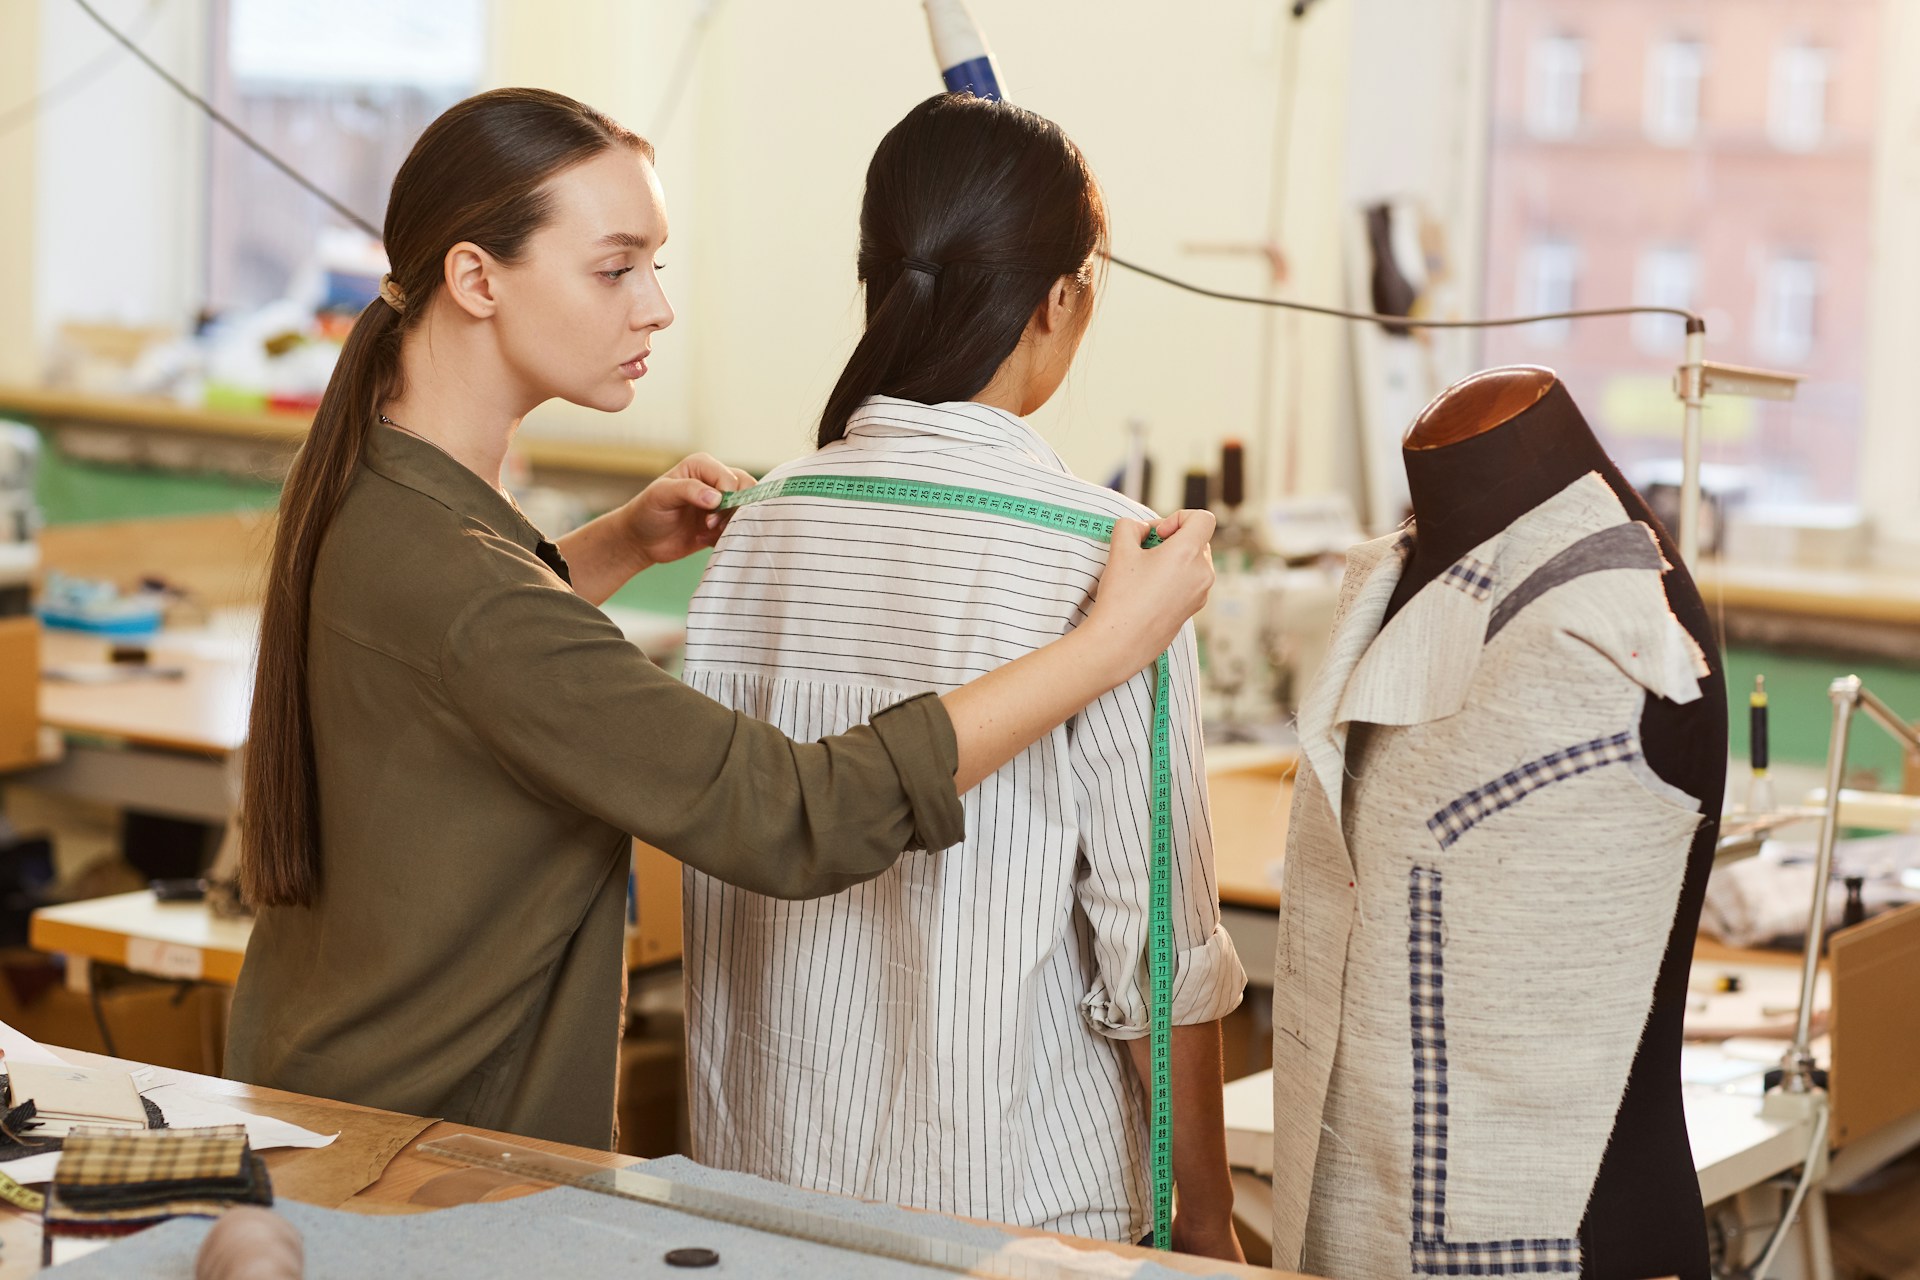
[94,1159]
[19,1118]
[1480,879]
[947,1035]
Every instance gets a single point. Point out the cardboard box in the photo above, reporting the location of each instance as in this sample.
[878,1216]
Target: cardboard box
[151,1021]
[19,693]
[652,1105]
[656,938]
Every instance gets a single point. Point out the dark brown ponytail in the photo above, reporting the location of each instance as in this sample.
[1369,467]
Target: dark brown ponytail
[973,209]
[477,174]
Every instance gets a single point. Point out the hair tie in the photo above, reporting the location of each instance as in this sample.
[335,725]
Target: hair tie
[392,294]
[929,269]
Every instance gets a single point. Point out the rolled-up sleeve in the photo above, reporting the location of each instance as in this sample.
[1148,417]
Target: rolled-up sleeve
[1112,761]
[577,714]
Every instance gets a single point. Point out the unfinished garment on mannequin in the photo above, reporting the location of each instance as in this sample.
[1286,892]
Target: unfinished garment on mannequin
[1505,818]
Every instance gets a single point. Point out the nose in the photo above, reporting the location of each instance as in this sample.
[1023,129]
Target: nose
[651,310]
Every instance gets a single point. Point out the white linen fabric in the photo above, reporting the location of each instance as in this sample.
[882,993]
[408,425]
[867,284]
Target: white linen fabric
[1480,880]
[947,1035]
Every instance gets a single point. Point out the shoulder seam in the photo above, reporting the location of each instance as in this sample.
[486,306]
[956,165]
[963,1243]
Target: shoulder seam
[362,643]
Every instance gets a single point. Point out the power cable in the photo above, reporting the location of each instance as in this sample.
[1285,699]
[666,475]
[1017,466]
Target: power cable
[683,67]
[77,79]
[1406,322]
[220,118]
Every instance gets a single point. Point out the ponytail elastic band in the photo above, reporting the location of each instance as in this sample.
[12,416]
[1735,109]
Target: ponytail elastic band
[929,269]
[392,294]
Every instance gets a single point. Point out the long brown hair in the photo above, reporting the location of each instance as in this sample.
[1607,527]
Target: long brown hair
[973,208]
[477,174]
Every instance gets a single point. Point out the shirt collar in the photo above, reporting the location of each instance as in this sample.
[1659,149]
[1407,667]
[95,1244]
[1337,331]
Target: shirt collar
[424,467]
[958,421]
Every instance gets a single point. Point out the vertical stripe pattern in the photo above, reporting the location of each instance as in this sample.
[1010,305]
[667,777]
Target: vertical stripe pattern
[945,1035]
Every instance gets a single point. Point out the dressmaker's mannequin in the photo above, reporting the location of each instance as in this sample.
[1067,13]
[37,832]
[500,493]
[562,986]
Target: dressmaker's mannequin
[1485,452]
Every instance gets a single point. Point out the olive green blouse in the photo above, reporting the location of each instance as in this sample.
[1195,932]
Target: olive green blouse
[485,741]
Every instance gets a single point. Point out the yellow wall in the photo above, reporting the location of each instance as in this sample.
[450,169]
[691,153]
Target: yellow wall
[765,161]
[20,73]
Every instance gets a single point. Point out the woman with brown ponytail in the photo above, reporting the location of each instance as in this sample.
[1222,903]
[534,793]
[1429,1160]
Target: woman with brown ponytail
[450,744]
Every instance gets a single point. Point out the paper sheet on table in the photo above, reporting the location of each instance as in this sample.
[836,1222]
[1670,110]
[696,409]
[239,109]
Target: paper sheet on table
[21,1047]
[172,1093]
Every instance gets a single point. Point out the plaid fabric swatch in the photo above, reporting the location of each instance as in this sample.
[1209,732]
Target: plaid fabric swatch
[1459,816]
[19,1131]
[1474,577]
[98,1158]
[1432,1253]
[1427,1001]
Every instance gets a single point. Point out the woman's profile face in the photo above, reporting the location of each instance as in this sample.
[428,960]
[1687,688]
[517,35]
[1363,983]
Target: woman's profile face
[577,313]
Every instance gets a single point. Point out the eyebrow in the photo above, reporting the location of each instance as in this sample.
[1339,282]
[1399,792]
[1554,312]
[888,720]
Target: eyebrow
[624,240]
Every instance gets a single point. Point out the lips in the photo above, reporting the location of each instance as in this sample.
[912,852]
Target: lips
[636,367]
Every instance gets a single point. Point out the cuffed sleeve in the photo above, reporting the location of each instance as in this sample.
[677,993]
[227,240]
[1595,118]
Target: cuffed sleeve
[1208,982]
[918,735]
[1112,763]
[579,715]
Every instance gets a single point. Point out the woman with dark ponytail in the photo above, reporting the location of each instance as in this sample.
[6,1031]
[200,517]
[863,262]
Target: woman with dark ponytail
[966,1032]
[451,746]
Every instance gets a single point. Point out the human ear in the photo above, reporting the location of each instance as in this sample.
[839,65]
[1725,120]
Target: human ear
[468,272]
[1056,309]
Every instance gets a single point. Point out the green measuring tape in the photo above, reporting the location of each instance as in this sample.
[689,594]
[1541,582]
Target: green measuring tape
[1099,528]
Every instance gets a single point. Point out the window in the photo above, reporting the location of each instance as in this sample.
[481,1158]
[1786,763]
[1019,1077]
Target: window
[1546,285]
[1698,167]
[1789,288]
[1797,104]
[1667,277]
[1672,107]
[344,86]
[1558,66]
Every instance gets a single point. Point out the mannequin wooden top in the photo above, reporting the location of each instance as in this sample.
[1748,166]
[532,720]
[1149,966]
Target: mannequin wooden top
[1478,404]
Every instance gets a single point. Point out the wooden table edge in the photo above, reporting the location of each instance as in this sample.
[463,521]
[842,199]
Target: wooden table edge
[109,946]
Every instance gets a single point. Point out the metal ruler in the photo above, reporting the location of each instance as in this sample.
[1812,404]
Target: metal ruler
[1099,528]
[480,1151]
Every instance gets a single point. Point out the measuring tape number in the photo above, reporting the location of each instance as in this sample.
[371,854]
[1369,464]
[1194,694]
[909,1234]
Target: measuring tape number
[1099,528]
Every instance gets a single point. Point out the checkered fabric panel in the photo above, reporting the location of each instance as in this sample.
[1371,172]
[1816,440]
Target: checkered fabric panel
[1459,816]
[1432,1253]
[1427,1000]
[1496,1257]
[1474,577]
[94,1157]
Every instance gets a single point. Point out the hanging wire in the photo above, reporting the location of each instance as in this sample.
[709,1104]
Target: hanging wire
[220,118]
[1406,322]
[683,66]
[77,79]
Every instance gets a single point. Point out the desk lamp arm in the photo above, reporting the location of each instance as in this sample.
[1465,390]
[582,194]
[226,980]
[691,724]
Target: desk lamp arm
[1849,695]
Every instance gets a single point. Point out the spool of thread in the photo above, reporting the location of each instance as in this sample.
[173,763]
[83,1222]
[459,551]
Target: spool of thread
[1233,474]
[1855,911]
[1194,495]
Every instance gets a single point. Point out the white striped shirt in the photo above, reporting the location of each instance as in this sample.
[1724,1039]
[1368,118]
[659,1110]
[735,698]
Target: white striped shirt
[945,1035]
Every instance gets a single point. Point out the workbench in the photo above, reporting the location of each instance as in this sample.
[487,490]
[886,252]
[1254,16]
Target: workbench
[374,1166]
[56,409]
